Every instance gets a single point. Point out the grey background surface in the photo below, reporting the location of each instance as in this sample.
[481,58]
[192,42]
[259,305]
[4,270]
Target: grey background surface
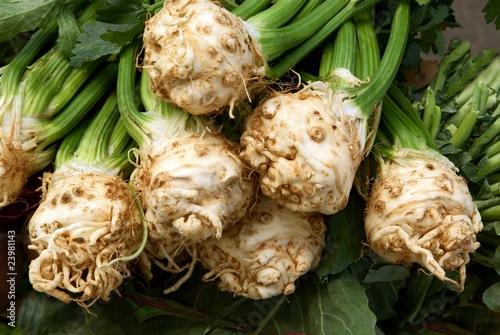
[481,35]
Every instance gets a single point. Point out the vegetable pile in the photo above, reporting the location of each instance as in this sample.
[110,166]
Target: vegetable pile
[250,167]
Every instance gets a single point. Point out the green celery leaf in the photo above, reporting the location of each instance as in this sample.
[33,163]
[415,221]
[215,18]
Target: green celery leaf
[91,46]
[68,30]
[119,24]
[492,13]
[18,16]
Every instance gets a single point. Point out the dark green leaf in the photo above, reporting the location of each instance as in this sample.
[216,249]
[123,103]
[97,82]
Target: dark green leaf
[41,315]
[17,16]
[491,297]
[119,23]
[68,30]
[338,307]
[343,239]
[91,46]
[382,288]
[492,13]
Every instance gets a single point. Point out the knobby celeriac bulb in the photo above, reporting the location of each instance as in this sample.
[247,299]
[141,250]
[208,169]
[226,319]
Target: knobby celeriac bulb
[200,56]
[192,188]
[85,221]
[421,211]
[266,252]
[14,164]
[306,148]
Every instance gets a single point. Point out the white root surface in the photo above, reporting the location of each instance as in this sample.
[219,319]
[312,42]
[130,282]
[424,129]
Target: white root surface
[421,211]
[192,189]
[85,221]
[306,148]
[14,164]
[200,56]
[266,252]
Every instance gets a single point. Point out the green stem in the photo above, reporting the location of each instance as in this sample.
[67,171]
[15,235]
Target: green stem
[461,134]
[429,103]
[343,12]
[277,15]
[14,71]
[250,8]
[485,204]
[369,51]
[477,109]
[410,114]
[492,165]
[491,132]
[490,77]
[465,109]
[306,9]
[404,132]
[492,149]
[161,119]
[447,63]
[73,83]
[69,145]
[491,213]
[369,95]
[42,81]
[131,115]
[56,128]
[94,144]
[469,71]
[339,52]
[274,42]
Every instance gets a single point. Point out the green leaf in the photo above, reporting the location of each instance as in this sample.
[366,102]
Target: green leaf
[338,307]
[343,239]
[17,16]
[119,24]
[382,288]
[91,46]
[492,13]
[146,307]
[491,297]
[42,315]
[68,30]
[387,273]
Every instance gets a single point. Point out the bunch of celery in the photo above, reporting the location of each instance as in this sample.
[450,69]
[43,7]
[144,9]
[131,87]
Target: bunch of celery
[88,224]
[42,97]
[191,181]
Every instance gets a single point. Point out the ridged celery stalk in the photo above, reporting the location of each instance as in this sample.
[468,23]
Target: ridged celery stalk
[307,145]
[88,224]
[42,98]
